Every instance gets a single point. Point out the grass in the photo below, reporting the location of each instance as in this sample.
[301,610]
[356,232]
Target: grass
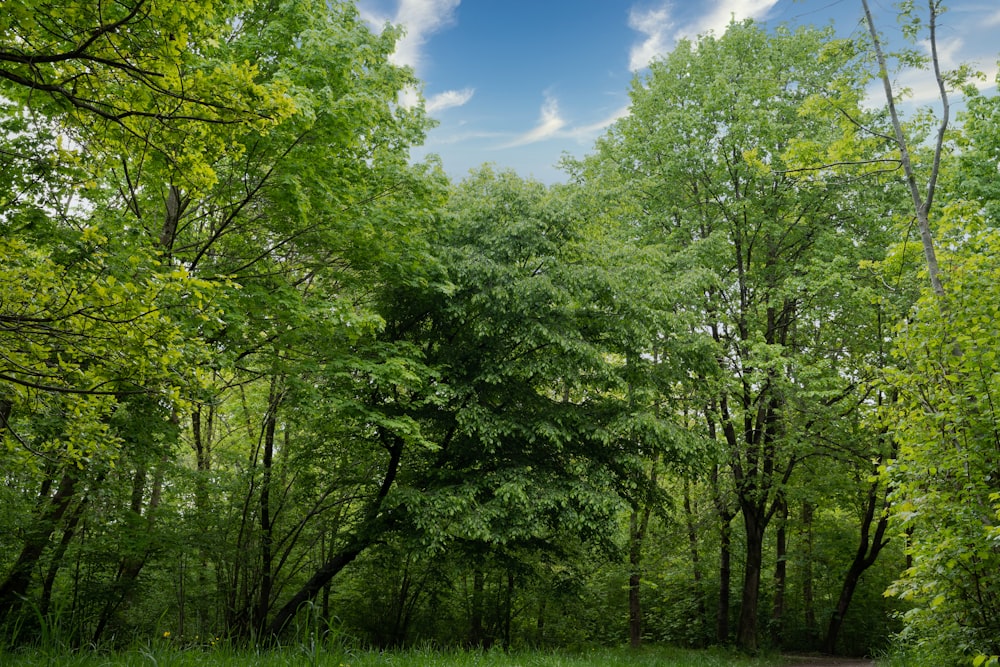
[165,655]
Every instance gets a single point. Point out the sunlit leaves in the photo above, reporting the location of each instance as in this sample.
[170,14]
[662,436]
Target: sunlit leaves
[946,474]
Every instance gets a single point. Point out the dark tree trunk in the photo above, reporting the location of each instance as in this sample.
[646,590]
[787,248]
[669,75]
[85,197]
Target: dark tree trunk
[864,558]
[131,566]
[808,601]
[477,632]
[15,587]
[266,525]
[780,574]
[746,631]
[57,556]
[725,579]
[726,516]
[638,525]
[508,610]
[362,539]
[695,560]
[634,582]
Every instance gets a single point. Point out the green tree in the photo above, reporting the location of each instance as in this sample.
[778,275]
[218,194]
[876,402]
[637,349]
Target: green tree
[710,162]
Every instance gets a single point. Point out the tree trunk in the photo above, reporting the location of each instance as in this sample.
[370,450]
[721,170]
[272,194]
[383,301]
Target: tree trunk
[695,560]
[477,634]
[726,516]
[131,566]
[266,525]
[638,525]
[57,557]
[921,203]
[508,610]
[634,581]
[15,587]
[808,601]
[361,540]
[725,579]
[864,558]
[746,632]
[780,574]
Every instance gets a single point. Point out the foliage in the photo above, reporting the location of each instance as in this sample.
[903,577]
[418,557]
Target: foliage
[947,493]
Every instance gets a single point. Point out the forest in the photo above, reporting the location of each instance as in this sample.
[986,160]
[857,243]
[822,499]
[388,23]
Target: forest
[733,383]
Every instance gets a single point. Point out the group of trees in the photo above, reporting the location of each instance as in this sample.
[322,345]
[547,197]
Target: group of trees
[260,372]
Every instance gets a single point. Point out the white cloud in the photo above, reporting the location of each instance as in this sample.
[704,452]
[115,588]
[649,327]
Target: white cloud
[727,10]
[588,132]
[549,125]
[661,31]
[993,21]
[655,24]
[449,99]
[419,19]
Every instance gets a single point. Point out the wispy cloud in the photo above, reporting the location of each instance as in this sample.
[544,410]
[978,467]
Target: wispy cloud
[419,18]
[920,83]
[993,21]
[588,133]
[660,30]
[549,125]
[449,99]
[657,27]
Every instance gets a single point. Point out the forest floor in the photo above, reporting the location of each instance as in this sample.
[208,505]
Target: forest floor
[827,661]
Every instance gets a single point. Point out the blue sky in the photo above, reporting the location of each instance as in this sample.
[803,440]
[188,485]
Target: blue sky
[520,82]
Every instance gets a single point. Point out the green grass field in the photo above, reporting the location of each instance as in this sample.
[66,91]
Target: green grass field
[168,656]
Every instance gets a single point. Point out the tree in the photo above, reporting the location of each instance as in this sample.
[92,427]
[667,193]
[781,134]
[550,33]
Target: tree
[945,429]
[710,158]
[204,172]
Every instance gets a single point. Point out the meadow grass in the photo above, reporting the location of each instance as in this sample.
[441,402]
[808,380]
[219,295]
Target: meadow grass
[162,655]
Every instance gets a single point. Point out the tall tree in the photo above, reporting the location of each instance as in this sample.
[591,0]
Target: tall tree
[710,157]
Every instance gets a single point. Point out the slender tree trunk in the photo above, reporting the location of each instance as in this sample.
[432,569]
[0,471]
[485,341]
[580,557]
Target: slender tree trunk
[808,601]
[921,202]
[638,525]
[726,516]
[131,566]
[477,633]
[15,586]
[361,540]
[780,575]
[725,579]
[508,610]
[266,525]
[57,556]
[540,618]
[695,560]
[202,419]
[634,582]
[864,558]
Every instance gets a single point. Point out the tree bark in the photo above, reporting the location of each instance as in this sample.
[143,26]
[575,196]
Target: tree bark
[864,558]
[695,560]
[131,566]
[266,525]
[638,525]
[808,601]
[921,202]
[746,631]
[477,634]
[355,546]
[780,575]
[726,516]
[15,587]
